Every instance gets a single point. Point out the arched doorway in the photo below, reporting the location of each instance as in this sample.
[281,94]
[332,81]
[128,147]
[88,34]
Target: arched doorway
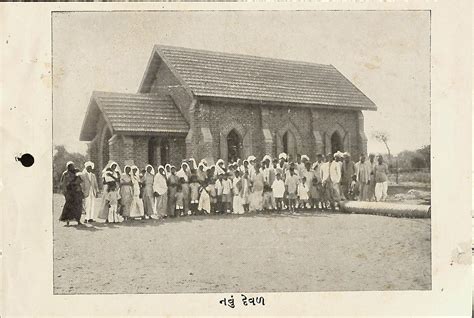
[336,142]
[164,151]
[234,146]
[289,144]
[152,151]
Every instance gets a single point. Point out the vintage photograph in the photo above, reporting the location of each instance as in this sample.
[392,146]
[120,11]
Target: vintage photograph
[241,151]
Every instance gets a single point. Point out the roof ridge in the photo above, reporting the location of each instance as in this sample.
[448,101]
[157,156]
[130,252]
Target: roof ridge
[96,93]
[227,54]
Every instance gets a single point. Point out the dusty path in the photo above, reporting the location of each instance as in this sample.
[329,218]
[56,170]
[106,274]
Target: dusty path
[308,252]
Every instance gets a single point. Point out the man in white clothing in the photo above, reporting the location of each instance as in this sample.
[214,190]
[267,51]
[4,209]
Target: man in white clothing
[330,178]
[90,190]
[362,172]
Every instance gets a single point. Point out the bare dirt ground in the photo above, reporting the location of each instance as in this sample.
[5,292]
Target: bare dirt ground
[312,251]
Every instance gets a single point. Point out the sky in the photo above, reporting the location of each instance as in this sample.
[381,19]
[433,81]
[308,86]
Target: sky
[386,54]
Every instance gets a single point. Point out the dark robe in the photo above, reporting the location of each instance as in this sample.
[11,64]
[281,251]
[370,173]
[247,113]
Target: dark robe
[71,185]
[173,182]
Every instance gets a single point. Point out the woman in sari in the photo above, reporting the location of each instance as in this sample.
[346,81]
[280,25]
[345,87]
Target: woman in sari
[201,173]
[192,165]
[148,196]
[160,191]
[184,174]
[136,209]
[173,182]
[256,197]
[167,170]
[71,187]
[126,192]
[114,168]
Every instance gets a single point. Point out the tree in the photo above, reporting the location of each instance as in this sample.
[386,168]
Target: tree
[383,137]
[425,153]
[60,157]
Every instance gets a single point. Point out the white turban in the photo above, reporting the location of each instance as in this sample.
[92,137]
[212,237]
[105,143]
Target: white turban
[304,157]
[89,164]
[282,156]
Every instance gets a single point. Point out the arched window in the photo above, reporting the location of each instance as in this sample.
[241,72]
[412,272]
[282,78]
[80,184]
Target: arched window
[336,142]
[289,144]
[234,146]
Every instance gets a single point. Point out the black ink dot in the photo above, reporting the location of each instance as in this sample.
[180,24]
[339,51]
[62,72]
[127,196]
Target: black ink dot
[26,160]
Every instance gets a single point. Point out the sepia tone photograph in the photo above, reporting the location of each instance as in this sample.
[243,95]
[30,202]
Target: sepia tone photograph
[241,151]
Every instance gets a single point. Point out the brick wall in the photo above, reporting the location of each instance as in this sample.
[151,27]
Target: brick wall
[221,116]
[140,151]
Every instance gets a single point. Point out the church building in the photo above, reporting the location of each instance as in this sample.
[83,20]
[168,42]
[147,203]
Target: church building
[203,104]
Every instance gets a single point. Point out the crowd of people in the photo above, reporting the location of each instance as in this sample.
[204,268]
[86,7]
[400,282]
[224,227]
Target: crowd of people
[244,186]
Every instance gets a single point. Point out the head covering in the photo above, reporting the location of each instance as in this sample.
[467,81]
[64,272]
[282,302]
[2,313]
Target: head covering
[125,168]
[339,154]
[267,157]
[304,157]
[109,164]
[282,156]
[219,170]
[89,164]
[136,173]
[152,169]
[204,162]
[181,173]
[161,167]
[193,163]
[346,154]
[69,163]
[251,158]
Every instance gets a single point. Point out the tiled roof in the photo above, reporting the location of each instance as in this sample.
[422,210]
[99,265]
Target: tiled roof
[136,113]
[222,75]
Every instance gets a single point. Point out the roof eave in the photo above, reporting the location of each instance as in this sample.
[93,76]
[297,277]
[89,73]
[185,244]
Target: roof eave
[94,101]
[84,136]
[372,107]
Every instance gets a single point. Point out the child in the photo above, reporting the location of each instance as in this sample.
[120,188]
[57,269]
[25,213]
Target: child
[303,193]
[219,188]
[353,190]
[291,183]
[179,200]
[204,206]
[194,191]
[245,191]
[211,189]
[226,194]
[278,188]
[111,198]
[237,206]
[315,193]
[267,197]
